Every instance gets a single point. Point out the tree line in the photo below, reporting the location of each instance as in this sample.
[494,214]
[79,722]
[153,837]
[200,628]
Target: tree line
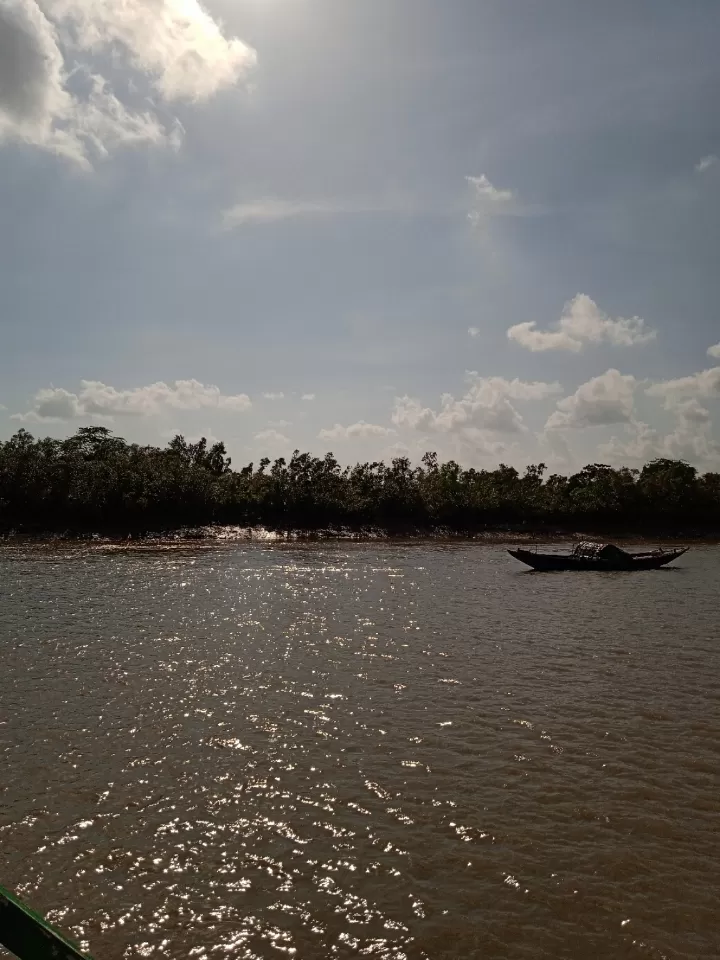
[97,482]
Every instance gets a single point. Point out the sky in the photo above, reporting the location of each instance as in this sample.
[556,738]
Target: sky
[488,228]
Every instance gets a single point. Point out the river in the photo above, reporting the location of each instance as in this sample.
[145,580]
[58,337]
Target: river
[412,750]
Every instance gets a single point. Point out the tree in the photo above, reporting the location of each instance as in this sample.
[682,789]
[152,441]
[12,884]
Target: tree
[96,481]
[670,486]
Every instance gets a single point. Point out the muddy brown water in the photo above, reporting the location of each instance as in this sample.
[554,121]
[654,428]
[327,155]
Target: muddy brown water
[341,750]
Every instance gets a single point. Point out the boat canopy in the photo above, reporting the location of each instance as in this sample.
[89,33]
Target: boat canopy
[595,551]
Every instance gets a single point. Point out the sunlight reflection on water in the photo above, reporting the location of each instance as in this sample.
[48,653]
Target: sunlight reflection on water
[332,750]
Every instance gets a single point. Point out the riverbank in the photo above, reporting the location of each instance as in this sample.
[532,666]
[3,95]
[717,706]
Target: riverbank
[219,535]
[94,484]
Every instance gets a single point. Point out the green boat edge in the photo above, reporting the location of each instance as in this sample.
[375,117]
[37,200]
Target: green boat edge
[29,936]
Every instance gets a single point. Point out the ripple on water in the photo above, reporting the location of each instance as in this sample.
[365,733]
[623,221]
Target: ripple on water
[385,751]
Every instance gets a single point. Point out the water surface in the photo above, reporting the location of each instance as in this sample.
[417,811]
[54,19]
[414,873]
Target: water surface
[347,750]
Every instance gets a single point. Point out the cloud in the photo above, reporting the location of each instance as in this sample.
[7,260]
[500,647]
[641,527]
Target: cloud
[273,210]
[54,404]
[171,46]
[714,351]
[706,384]
[192,437]
[690,440]
[267,210]
[692,411]
[474,331]
[37,108]
[176,43]
[582,322]
[684,445]
[360,430]
[485,406]
[604,400]
[706,163]
[643,443]
[273,437]
[487,193]
[31,66]
[274,396]
[308,396]
[96,399]
[538,340]
[489,201]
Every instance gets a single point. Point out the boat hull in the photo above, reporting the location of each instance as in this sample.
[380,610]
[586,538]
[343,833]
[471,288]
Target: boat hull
[556,561]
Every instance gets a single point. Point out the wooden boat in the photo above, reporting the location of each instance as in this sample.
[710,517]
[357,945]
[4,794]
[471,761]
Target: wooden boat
[29,936]
[597,556]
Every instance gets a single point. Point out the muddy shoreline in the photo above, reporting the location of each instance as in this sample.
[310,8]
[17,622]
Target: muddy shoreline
[211,537]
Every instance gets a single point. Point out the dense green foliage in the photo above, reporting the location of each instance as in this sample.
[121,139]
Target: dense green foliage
[95,481]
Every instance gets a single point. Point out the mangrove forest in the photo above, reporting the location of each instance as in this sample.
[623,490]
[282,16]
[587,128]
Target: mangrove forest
[97,482]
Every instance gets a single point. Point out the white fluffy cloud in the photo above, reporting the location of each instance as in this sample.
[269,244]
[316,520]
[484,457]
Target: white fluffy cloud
[604,400]
[96,399]
[485,406]
[360,430]
[705,384]
[176,43]
[582,322]
[691,439]
[272,438]
[714,351]
[474,331]
[308,397]
[274,396]
[31,68]
[51,95]
[37,108]
[489,201]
